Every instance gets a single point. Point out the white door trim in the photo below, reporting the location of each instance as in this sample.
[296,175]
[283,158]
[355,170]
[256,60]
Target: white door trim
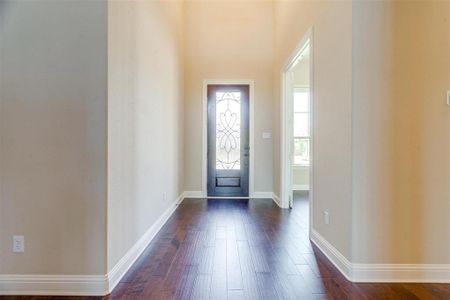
[286,130]
[251,84]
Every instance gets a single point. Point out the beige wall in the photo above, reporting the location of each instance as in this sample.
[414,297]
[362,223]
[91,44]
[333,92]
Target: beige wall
[381,90]
[401,132]
[53,136]
[332,47]
[300,177]
[145,117]
[228,40]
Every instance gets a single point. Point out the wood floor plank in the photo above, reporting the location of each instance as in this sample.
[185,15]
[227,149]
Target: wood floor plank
[186,285]
[266,286]
[202,287]
[219,276]
[234,274]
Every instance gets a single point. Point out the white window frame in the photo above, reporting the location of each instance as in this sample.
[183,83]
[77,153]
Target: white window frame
[294,90]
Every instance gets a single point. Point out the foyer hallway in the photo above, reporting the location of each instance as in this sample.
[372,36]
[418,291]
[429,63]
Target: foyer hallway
[247,249]
[244,249]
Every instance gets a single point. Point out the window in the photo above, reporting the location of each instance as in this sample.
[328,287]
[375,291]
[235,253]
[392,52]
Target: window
[301,126]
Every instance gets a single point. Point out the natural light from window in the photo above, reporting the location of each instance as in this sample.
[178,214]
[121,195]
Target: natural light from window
[301,127]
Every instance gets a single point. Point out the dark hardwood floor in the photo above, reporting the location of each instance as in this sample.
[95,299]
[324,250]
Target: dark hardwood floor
[239,249]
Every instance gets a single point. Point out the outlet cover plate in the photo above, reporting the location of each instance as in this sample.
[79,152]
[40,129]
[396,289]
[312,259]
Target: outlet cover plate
[18,244]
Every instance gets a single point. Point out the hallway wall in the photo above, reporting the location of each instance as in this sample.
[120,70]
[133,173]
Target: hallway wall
[332,94]
[228,40]
[53,136]
[401,132]
[145,118]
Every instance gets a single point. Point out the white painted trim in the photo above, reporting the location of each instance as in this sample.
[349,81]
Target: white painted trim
[285,160]
[124,264]
[339,261]
[251,84]
[311,195]
[230,198]
[418,273]
[180,198]
[262,195]
[286,131]
[412,273]
[276,199]
[300,187]
[99,285]
[58,285]
[193,194]
[84,285]
[199,194]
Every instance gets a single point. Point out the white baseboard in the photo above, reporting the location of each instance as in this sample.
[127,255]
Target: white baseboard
[412,273]
[180,198]
[339,261]
[276,199]
[121,268]
[98,285]
[262,195]
[193,194]
[255,195]
[58,285]
[199,194]
[300,187]
[84,285]
[419,273]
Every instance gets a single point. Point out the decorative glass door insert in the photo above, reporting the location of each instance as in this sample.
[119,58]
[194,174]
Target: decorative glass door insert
[228,130]
[228,140]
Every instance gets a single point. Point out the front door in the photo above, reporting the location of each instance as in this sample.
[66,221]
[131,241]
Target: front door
[228,140]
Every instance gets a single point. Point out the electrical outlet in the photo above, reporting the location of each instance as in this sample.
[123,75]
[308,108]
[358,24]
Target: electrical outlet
[18,244]
[448,97]
[326,217]
[164,197]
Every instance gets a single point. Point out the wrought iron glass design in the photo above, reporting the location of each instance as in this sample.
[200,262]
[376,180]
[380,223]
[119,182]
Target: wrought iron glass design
[228,130]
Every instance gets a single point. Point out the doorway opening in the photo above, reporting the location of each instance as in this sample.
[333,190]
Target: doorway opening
[297,130]
[228,142]
[227,139]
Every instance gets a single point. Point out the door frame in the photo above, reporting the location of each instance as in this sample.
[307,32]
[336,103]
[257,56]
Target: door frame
[251,84]
[286,112]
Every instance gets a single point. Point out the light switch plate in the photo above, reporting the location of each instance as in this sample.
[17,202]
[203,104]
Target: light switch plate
[18,244]
[326,217]
[266,135]
[448,97]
